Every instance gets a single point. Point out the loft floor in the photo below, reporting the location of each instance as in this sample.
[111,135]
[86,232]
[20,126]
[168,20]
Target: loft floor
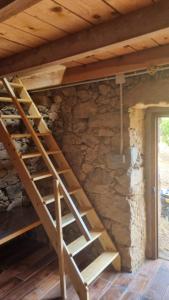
[28,271]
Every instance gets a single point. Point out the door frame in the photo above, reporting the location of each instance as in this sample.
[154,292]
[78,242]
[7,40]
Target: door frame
[151,177]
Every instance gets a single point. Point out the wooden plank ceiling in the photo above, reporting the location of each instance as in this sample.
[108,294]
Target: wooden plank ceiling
[49,20]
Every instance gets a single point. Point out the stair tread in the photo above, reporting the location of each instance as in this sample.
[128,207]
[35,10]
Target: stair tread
[27,135]
[18,117]
[13,84]
[45,174]
[36,154]
[17,85]
[80,243]
[91,272]
[50,198]
[8,99]
[62,171]
[69,218]
[40,175]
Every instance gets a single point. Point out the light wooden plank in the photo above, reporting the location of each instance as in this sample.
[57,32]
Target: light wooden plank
[58,213]
[114,34]
[95,11]
[27,135]
[162,37]
[69,218]
[6,117]
[143,44]
[131,62]
[45,79]
[15,7]
[125,6]
[88,59]
[9,100]
[80,243]
[40,175]
[90,273]
[12,47]
[35,26]
[17,35]
[58,16]
[50,198]
[71,64]
[5,52]
[111,52]
[38,154]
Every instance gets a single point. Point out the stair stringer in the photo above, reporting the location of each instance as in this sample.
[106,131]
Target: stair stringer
[43,213]
[92,217]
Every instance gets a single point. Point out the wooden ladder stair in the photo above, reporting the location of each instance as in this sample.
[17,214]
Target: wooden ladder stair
[65,186]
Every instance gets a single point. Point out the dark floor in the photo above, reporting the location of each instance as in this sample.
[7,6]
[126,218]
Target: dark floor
[28,271]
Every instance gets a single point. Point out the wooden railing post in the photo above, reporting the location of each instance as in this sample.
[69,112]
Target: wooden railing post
[60,238]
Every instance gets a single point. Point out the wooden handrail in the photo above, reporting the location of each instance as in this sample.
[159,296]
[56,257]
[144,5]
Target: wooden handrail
[58,213]
[47,160]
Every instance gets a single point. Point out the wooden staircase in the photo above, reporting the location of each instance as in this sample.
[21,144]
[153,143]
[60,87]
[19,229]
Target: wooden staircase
[65,188]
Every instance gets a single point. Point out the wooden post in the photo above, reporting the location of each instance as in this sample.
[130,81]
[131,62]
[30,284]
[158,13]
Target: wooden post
[60,238]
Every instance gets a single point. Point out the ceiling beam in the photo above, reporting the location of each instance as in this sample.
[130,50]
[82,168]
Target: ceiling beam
[116,33]
[128,63]
[14,7]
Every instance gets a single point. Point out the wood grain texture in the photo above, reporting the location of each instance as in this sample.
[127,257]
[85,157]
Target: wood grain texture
[55,14]
[131,62]
[94,11]
[34,26]
[125,6]
[19,36]
[33,274]
[15,7]
[113,34]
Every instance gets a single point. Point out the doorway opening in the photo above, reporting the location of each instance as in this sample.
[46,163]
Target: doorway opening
[157,182]
[163,187]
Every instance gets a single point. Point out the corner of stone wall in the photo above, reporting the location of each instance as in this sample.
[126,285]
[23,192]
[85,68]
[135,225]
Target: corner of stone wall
[137,193]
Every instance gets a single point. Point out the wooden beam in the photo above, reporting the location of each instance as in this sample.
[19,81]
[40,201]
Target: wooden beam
[50,76]
[127,63]
[116,33]
[14,7]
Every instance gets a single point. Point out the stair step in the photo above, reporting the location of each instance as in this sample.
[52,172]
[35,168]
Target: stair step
[18,117]
[40,175]
[9,100]
[16,85]
[69,218]
[91,272]
[38,154]
[27,135]
[13,84]
[79,244]
[63,171]
[50,198]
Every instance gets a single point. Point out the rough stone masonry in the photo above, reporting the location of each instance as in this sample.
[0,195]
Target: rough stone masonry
[85,122]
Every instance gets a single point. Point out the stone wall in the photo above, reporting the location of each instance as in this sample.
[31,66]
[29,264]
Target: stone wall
[85,121]
[137,199]
[12,193]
